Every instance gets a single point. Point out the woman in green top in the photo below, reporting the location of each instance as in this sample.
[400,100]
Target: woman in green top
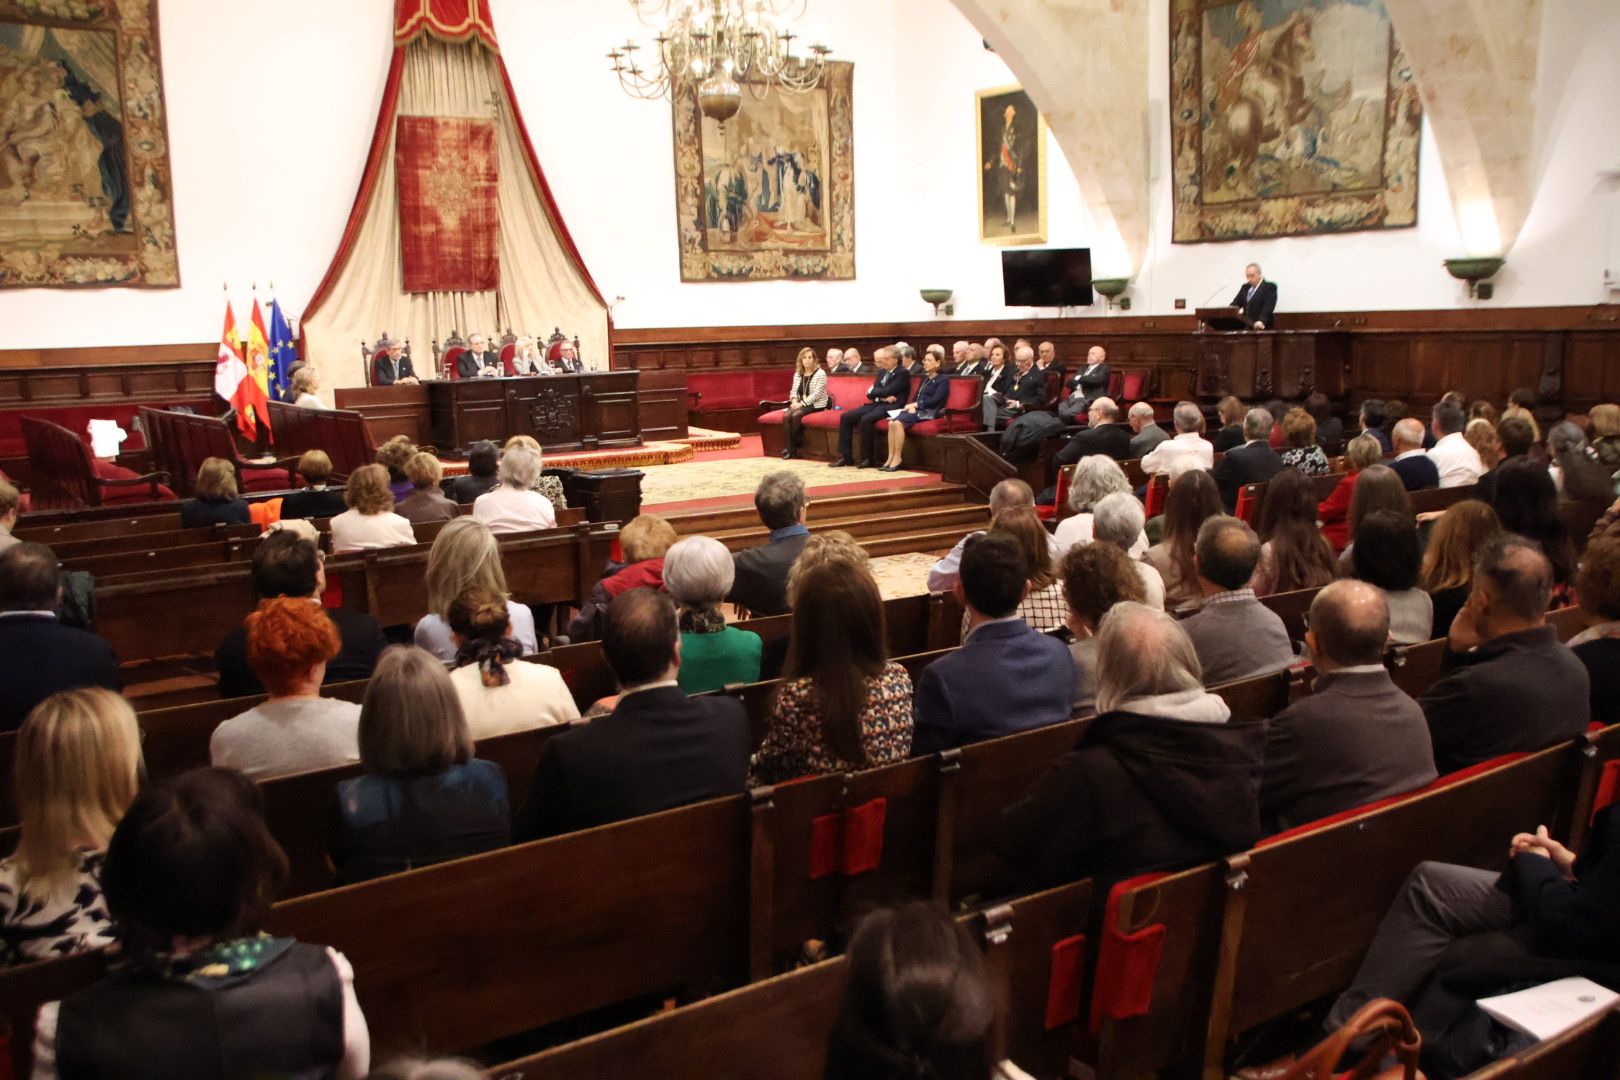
[698,574]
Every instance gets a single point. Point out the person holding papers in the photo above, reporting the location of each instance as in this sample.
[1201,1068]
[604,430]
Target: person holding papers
[929,405]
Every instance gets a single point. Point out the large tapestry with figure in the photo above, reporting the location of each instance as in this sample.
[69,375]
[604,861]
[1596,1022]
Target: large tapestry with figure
[771,192]
[1290,117]
[86,195]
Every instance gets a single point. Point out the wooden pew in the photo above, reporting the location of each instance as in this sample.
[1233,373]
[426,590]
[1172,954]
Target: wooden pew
[342,433]
[1293,607]
[1589,1050]
[1415,668]
[1431,499]
[1567,622]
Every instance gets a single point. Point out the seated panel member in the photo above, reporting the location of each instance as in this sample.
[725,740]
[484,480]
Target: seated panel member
[1257,298]
[390,365]
[479,361]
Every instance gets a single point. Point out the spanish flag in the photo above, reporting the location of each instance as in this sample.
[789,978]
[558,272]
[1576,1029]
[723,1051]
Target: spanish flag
[256,386]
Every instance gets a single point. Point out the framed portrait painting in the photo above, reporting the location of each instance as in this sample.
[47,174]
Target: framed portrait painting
[86,191]
[769,194]
[1011,167]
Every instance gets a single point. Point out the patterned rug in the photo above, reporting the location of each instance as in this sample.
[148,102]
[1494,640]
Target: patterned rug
[731,478]
[904,575]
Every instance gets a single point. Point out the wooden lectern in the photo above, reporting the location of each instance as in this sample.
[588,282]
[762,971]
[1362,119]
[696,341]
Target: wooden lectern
[1221,318]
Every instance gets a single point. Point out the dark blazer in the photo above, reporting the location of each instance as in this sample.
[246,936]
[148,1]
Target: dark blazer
[1330,435]
[1111,439]
[384,373]
[195,513]
[999,381]
[1251,463]
[1521,691]
[469,364]
[466,488]
[1257,301]
[1004,678]
[1089,384]
[895,383]
[390,823]
[362,643]
[40,657]
[1029,390]
[762,573]
[1417,473]
[1226,438]
[310,503]
[932,396]
[658,750]
[1356,739]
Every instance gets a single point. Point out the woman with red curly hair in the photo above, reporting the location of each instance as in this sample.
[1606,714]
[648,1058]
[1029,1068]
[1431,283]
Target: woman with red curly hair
[289,642]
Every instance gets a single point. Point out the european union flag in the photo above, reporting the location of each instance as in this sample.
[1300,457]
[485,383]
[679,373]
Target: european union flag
[283,353]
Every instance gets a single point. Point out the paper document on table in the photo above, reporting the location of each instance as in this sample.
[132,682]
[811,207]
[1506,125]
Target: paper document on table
[1552,1008]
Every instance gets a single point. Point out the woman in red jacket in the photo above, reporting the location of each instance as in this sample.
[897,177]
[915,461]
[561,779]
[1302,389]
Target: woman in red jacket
[1334,511]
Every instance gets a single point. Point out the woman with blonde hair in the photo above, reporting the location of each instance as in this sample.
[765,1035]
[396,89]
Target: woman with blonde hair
[426,503]
[1043,607]
[644,541]
[305,381]
[807,395]
[1481,435]
[1448,562]
[1333,512]
[214,498]
[527,359]
[1519,412]
[78,765]
[499,692]
[370,521]
[549,486]
[423,798]
[834,545]
[514,506]
[464,556]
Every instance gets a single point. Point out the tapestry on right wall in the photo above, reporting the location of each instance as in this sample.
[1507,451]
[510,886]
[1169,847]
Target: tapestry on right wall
[1288,118]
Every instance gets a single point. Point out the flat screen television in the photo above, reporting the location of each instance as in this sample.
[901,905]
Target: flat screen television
[1047,277]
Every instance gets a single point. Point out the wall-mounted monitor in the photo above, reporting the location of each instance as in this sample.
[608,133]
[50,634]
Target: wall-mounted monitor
[1047,277]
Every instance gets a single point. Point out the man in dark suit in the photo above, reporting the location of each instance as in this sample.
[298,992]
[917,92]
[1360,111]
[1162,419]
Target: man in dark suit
[390,365]
[1252,463]
[1005,677]
[1046,358]
[1086,385]
[483,461]
[760,585]
[38,655]
[1025,394]
[1511,685]
[1412,463]
[1103,434]
[478,361]
[568,362]
[969,358]
[1257,298]
[890,391]
[658,749]
[1357,737]
[316,500]
[286,564]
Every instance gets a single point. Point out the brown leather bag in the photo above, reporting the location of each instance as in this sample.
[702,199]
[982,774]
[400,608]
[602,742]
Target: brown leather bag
[1394,1034]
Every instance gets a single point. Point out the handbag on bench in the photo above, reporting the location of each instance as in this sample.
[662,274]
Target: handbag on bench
[1391,1031]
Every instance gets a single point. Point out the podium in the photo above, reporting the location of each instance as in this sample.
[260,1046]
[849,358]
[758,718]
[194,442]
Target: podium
[1221,318]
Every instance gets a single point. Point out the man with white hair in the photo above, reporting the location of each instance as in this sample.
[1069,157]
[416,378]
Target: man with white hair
[835,361]
[1046,358]
[1007,495]
[1412,463]
[1110,808]
[1119,520]
[1188,442]
[1254,462]
[1086,385]
[1026,395]
[478,360]
[962,362]
[1147,434]
[1103,434]
[1257,299]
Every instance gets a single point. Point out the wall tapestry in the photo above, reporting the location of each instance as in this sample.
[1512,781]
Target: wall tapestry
[1012,168]
[771,193]
[86,193]
[449,205]
[1290,117]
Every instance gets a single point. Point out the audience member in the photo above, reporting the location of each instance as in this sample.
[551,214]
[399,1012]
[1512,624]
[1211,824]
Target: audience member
[10,505]
[392,455]
[842,705]
[1235,635]
[1095,578]
[1119,520]
[1373,416]
[549,486]
[1518,438]
[1110,807]
[40,656]
[1333,512]
[1034,674]
[933,393]
[289,642]
[1042,607]
[189,878]
[466,555]
[643,541]
[1252,463]
[698,573]
[1510,684]
[760,581]
[1598,646]
[1481,435]
[1293,554]
[658,749]
[1094,478]
[214,498]
[806,395]
[1300,447]
[1146,432]
[1412,463]
[1377,488]
[1456,461]
[1103,434]
[78,765]
[1357,737]
[1006,495]
[1519,412]
[1329,428]
[423,798]
[288,564]
[1448,561]
[832,546]
[426,503]
[1189,442]
[315,499]
[1605,420]
[499,692]
[514,506]
[370,521]
[1386,555]
[1193,500]
[1230,412]
[483,462]
[1086,385]
[305,381]
[1527,503]
[1575,469]
[1484,410]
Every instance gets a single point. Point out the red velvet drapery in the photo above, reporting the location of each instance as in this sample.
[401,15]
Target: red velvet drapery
[448,20]
[449,205]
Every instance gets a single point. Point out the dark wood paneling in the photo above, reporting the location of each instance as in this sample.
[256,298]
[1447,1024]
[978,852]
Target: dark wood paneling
[107,355]
[389,410]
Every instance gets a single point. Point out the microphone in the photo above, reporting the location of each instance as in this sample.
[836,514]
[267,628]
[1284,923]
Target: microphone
[1218,290]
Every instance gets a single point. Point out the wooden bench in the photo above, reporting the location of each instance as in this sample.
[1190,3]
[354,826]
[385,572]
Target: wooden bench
[181,442]
[341,433]
[1589,1050]
[63,474]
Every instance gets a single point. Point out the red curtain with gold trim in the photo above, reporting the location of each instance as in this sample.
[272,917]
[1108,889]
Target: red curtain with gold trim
[448,20]
[449,204]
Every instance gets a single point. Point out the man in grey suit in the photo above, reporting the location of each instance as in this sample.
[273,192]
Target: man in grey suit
[1235,636]
[1147,432]
[1358,737]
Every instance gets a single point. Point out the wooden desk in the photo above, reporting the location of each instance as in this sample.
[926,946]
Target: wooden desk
[1288,364]
[389,410]
[589,411]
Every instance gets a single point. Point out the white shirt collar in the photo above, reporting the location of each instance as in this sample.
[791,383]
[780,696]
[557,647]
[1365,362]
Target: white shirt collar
[1410,453]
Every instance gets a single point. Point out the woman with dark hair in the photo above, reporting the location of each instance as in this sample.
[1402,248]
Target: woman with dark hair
[1229,410]
[1293,554]
[1526,501]
[1575,469]
[920,1004]
[842,705]
[1193,499]
[1598,646]
[1379,487]
[1329,428]
[483,462]
[929,403]
[1448,562]
[1386,555]
[204,993]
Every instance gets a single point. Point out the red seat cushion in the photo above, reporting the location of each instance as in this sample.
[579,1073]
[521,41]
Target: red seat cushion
[775,416]
[116,496]
[826,418]
[1132,384]
[264,479]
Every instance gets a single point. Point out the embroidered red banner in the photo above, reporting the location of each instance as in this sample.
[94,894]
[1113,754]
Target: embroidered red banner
[449,206]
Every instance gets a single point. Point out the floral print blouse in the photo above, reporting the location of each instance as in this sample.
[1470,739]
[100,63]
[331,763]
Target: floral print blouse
[793,746]
[1309,460]
[73,919]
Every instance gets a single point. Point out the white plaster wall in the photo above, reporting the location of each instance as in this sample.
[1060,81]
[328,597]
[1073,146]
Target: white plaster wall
[270,117]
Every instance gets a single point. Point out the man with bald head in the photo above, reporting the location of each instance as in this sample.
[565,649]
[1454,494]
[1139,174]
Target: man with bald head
[1103,434]
[1237,637]
[1006,495]
[1511,685]
[1086,385]
[1358,737]
[1412,463]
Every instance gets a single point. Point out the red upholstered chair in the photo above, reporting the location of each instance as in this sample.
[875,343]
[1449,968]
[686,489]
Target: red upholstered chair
[451,355]
[1158,487]
[65,475]
[961,412]
[1054,388]
[1132,386]
[454,346]
[1061,496]
[508,351]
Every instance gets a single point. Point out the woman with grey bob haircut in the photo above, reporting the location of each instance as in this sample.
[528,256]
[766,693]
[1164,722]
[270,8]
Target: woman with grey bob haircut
[698,573]
[1095,478]
[1146,664]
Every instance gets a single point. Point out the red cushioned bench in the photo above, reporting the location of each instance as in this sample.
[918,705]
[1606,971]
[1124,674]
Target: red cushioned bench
[729,400]
[961,414]
[65,475]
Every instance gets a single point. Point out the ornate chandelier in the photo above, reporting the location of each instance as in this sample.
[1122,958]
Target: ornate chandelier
[718,47]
